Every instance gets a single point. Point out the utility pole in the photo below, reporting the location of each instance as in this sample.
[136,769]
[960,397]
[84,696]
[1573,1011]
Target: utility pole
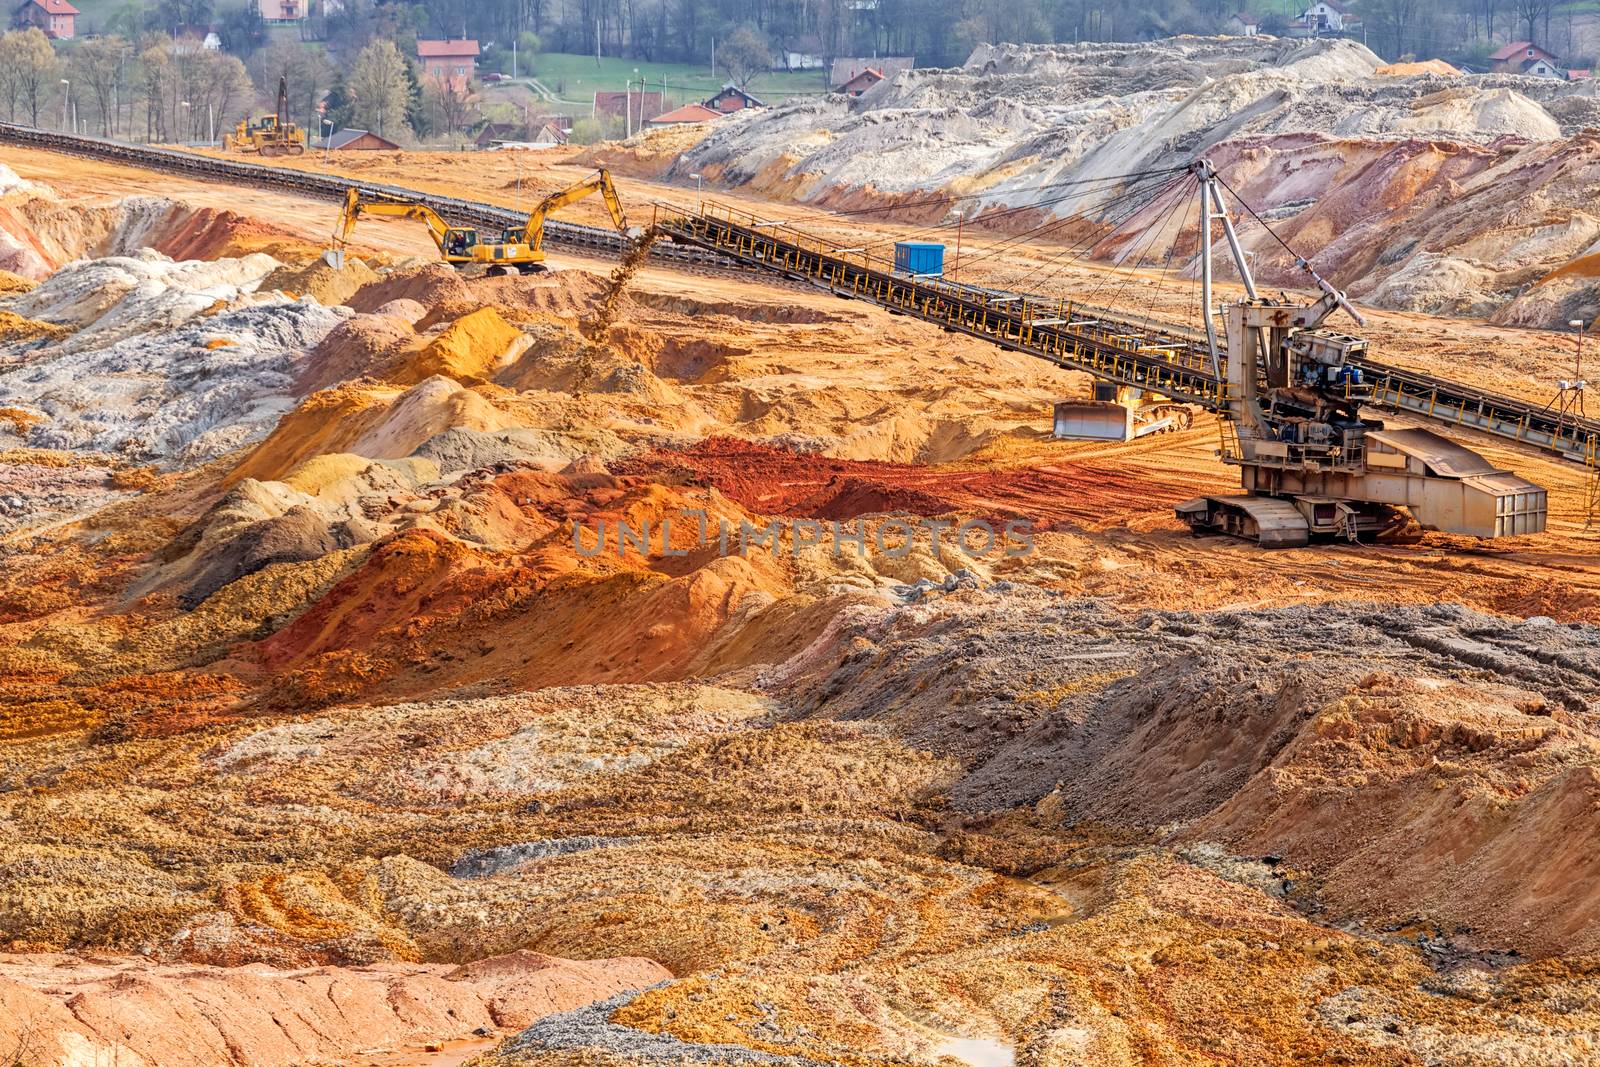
[955,268]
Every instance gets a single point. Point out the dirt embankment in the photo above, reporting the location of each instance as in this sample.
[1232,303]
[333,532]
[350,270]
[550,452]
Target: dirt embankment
[1418,189]
[361,681]
[61,1010]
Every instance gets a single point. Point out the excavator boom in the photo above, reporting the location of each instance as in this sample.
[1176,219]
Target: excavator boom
[516,250]
[598,182]
[454,243]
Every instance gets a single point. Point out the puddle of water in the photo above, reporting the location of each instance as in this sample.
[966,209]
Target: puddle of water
[977,1051]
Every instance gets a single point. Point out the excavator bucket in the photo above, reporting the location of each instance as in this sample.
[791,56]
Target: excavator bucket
[334,257]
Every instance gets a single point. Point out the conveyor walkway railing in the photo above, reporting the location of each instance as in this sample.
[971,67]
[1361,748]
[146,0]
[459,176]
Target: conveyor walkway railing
[1162,358]
[1144,354]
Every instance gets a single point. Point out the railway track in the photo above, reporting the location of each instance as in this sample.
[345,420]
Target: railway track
[593,239]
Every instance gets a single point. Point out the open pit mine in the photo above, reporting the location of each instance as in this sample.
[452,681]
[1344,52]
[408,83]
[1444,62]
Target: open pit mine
[1166,631]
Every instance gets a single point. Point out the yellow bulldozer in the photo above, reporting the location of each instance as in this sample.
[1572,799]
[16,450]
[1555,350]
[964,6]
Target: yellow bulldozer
[514,250]
[269,135]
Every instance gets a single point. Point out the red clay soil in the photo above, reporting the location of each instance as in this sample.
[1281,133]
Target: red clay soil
[775,481]
[206,233]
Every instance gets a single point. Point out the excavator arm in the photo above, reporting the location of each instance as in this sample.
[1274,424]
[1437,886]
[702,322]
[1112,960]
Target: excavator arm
[598,182]
[355,206]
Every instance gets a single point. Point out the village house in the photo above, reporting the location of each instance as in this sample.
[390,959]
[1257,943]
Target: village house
[1323,18]
[847,69]
[541,129]
[731,98]
[1243,24]
[57,18]
[348,140]
[284,12]
[861,82]
[634,106]
[686,115]
[1525,57]
[449,65]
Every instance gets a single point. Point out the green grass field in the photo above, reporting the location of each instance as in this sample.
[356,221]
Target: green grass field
[578,78]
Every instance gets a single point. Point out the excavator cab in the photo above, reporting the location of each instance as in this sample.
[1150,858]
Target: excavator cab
[460,242]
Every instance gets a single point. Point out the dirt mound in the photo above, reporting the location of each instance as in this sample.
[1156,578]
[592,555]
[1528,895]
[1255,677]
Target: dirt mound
[461,449]
[430,285]
[364,346]
[321,282]
[15,283]
[206,233]
[777,481]
[1429,789]
[1409,70]
[376,421]
[469,350]
[14,328]
[298,535]
[1373,178]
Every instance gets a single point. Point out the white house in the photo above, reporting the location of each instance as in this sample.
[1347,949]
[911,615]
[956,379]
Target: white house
[1324,16]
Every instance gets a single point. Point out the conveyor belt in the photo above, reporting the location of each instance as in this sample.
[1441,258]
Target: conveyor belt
[1136,352]
[1146,354]
[333,187]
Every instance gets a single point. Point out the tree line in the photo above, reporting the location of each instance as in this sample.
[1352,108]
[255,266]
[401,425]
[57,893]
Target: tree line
[937,32]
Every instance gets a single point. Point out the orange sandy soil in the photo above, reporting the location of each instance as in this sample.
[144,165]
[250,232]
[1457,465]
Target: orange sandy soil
[323,706]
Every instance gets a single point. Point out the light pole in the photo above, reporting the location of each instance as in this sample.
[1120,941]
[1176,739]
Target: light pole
[188,113]
[66,95]
[211,124]
[1577,324]
[327,140]
[696,178]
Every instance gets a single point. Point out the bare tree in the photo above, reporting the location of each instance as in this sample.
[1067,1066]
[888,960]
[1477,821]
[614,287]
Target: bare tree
[155,75]
[38,69]
[97,64]
[744,55]
[455,108]
[1531,13]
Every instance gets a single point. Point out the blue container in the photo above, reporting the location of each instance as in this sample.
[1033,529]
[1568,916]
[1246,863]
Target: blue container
[917,257]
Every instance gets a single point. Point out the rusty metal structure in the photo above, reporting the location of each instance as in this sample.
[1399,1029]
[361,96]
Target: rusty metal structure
[1450,485]
[1291,392]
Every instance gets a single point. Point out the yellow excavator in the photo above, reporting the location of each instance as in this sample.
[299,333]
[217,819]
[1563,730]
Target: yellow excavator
[516,250]
[269,135]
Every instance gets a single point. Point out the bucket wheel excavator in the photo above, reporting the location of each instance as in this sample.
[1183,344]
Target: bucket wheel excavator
[1312,465]
[1290,390]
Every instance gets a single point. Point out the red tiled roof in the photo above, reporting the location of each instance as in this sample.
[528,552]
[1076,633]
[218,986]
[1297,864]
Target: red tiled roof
[1513,49]
[57,7]
[687,113]
[446,49]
